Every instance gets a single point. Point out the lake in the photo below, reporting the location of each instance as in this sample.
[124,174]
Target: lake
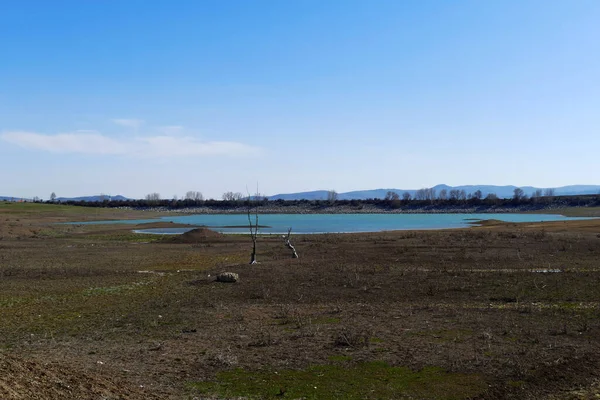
[332,223]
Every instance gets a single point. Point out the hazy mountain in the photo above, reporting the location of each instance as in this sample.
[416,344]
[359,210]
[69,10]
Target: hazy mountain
[315,195]
[9,198]
[500,191]
[93,198]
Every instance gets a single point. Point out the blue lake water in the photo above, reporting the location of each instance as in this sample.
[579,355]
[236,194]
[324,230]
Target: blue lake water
[333,223]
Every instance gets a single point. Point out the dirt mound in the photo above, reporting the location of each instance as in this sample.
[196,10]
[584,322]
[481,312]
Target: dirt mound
[197,235]
[28,379]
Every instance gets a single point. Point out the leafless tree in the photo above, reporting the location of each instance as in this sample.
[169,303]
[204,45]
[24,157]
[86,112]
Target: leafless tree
[421,194]
[454,194]
[390,196]
[425,194]
[289,244]
[537,193]
[153,196]
[231,196]
[406,196]
[491,196]
[194,195]
[519,194]
[443,194]
[431,194]
[332,196]
[462,195]
[253,227]
[53,197]
[550,192]
[477,195]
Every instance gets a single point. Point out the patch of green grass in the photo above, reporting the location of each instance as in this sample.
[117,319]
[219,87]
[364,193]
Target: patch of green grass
[567,305]
[339,358]
[12,302]
[373,380]
[113,289]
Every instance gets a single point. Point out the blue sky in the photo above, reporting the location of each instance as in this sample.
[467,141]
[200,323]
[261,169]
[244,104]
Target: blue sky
[132,97]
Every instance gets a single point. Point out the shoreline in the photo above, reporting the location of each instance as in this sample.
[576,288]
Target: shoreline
[370,209]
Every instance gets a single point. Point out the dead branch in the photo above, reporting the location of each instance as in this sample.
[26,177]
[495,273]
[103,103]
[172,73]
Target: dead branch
[288,243]
[253,228]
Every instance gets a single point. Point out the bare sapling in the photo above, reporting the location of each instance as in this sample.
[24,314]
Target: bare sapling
[253,228]
[288,243]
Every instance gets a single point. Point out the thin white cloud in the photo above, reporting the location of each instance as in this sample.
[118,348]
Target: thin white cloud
[86,142]
[129,122]
[153,146]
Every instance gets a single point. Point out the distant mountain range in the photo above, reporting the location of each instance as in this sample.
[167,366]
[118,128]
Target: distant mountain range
[93,198]
[8,198]
[500,191]
[64,199]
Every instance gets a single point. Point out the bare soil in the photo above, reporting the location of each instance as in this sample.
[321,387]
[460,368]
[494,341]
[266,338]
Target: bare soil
[95,312]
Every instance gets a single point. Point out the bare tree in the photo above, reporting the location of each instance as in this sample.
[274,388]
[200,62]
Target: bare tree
[406,196]
[519,194]
[253,227]
[431,194]
[332,196]
[390,196]
[231,196]
[289,244]
[477,195]
[421,194]
[491,196]
[153,196]
[53,197]
[462,195]
[443,194]
[454,194]
[550,192]
[194,195]
[537,193]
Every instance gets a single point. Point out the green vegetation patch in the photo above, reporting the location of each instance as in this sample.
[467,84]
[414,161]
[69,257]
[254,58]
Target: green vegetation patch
[113,289]
[373,380]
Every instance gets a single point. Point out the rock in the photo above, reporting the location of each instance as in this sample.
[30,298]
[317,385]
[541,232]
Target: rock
[228,277]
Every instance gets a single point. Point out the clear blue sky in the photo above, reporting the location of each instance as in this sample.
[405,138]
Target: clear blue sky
[131,97]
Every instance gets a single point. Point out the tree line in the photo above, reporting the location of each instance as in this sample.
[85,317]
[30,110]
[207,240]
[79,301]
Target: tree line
[422,198]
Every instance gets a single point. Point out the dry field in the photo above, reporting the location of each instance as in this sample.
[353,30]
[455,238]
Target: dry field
[502,311]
